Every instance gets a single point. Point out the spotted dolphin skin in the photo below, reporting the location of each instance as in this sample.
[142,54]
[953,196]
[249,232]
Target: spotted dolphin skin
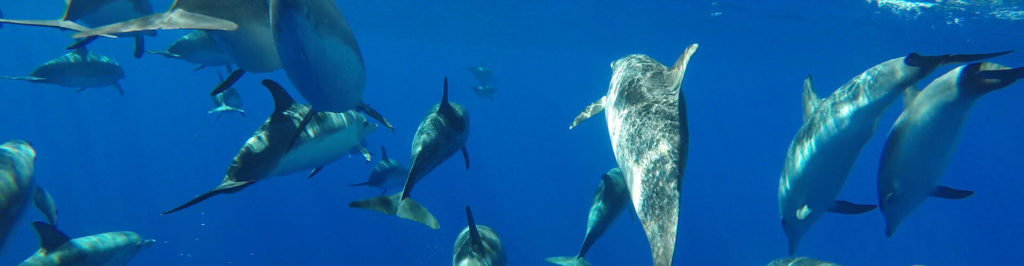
[800,261]
[609,199]
[197,47]
[18,187]
[646,117]
[328,137]
[94,13]
[924,136]
[78,69]
[113,248]
[477,245]
[834,130]
[387,174]
[439,136]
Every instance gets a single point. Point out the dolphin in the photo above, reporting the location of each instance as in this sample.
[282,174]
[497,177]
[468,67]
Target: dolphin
[112,248]
[78,69]
[609,199]
[95,13]
[328,137]
[387,174]
[227,101]
[834,130]
[442,133]
[483,74]
[477,245]
[924,136]
[199,48]
[800,261]
[17,186]
[646,117]
[485,91]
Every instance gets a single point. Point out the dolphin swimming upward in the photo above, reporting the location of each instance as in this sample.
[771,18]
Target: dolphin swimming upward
[834,130]
[609,199]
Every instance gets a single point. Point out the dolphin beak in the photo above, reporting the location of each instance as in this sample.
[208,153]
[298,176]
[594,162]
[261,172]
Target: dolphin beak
[146,243]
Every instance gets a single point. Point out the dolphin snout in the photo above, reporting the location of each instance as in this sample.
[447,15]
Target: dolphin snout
[146,243]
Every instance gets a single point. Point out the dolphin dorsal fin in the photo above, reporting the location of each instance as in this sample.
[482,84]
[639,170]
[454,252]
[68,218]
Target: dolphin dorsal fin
[49,237]
[909,94]
[474,234]
[811,100]
[444,97]
[282,100]
[383,153]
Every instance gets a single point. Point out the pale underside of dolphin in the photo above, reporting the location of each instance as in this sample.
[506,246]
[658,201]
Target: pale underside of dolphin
[923,138]
[327,138]
[197,47]
[611,197]
[835,128]
[646,117]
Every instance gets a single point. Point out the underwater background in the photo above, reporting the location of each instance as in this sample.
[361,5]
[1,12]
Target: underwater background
[115,162]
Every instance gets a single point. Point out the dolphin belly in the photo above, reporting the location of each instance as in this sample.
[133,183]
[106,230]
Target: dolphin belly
[321,151]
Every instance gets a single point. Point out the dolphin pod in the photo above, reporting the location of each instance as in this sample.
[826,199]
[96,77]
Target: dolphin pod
[834,130]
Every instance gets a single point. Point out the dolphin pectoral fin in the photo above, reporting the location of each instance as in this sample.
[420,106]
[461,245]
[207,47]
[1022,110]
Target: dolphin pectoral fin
[591,110]
[50,238]
[365,108]
[315,171]
[846,207]
[394,205]
[465,156]
[120,90]
[366,153]
[226,187]
[81,43]
[917,60]
[174,19]
[811,100]
[568,261]
[227,83]
[140,46]
[299,129]
[26,78]
[945,192]
[45,203]
[909,94]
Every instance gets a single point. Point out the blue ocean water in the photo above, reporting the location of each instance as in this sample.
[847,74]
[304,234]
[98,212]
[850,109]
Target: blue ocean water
[115,162]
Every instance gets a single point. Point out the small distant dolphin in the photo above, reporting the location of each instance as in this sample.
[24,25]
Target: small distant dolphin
[328,137]
[800,261]
[485,91]
[477,245]
[609,199]
[442,133]
[112,248]
[834,130]
[646,117]
[78,69]
[387,174]
[483,74]
[94,13]
[227,101]
[199,48]
[17,186]
[924,136]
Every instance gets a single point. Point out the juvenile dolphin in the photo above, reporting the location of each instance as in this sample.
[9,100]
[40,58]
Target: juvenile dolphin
[112,248]
[17,186]
[924,136]
[477,245]
[646,117]
[328,137]
[78,69]
[95,13]
[800,261]
[485,91]
[387,174]
[197,47]
[227,101]
[609,199]
[320,55]
[442,133]
[834,130]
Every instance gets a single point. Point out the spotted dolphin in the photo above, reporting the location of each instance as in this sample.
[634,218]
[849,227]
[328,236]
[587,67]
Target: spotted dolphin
[197,47]
[387,174]
[609,199]
[94,13]
[439,136]
[477,245]
[78,69]
[834,130]
[924,136]
[112,248]
[18,187]
[646,118]
[328,137]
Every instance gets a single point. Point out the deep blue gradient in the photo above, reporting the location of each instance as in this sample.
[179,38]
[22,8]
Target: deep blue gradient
[114,162]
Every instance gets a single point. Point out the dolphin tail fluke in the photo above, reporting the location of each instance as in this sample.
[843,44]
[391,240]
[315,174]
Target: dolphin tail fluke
[174,19]
[232,78]
[591,110]
[226,187]
[393,205]
[568,261]
[846,207]
[365,108]
[225,108]
[120,90]
[917,60]
[45,203]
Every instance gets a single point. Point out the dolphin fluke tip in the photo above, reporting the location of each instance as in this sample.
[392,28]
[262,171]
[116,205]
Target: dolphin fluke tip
[226,187]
